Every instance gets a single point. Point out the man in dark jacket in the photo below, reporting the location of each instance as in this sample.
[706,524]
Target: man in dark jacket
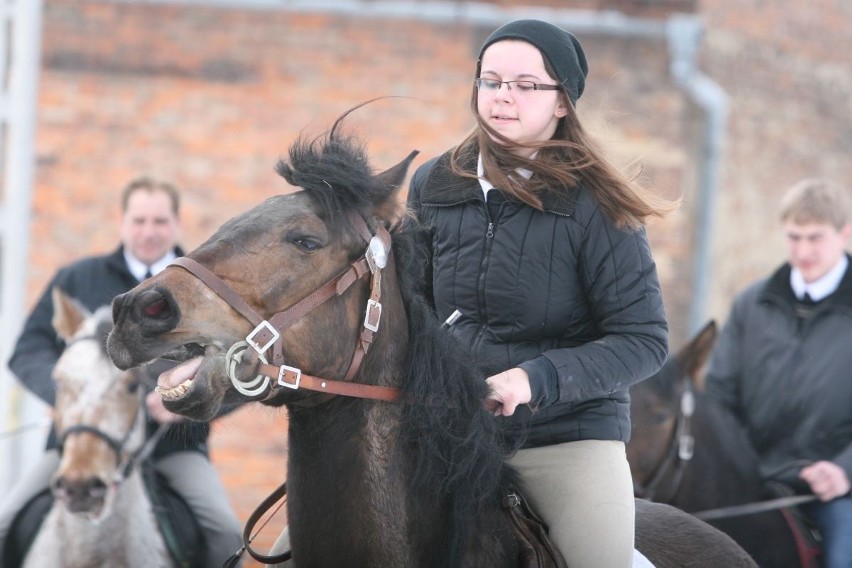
[783,365]
[150,228]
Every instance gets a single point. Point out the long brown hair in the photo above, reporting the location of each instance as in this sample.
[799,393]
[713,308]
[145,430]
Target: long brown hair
[570,159]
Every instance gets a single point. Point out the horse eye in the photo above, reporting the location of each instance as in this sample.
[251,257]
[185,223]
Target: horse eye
[661,418]
[307,244]
[132,387]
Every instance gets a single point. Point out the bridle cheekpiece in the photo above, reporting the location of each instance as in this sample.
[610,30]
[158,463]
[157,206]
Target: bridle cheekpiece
[267,333]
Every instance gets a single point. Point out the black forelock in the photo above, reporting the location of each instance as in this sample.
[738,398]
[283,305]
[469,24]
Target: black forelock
[334,170]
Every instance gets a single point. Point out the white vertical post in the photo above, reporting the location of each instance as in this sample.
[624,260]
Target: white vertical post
[21,53]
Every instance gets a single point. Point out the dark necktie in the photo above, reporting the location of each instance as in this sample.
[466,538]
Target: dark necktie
[147,274]
[804,307]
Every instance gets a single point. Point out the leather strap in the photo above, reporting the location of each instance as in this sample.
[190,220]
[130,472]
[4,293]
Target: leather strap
[335,287]
[673,465]
[253,519]
[752,508]
[218,285]
[267,333]
[329,386]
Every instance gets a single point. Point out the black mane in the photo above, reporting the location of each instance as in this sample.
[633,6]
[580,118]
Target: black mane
[441,376]
[457,445]
[335,172]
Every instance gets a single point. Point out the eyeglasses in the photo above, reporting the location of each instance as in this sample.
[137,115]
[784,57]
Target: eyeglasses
[491,85]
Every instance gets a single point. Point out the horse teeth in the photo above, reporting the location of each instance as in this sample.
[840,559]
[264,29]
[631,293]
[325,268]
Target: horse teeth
[174,393]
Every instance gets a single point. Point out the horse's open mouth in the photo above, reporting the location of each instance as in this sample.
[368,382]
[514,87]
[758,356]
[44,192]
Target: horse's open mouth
[184,352]
[176,383]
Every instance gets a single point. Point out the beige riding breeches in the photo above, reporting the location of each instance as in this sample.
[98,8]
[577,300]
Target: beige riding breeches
[584,492]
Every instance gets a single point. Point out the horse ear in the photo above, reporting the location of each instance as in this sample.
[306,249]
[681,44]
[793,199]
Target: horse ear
[694,355]
[393,178]
[68,314]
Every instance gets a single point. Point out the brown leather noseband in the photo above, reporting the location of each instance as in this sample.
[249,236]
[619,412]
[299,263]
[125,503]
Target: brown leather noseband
[267,334]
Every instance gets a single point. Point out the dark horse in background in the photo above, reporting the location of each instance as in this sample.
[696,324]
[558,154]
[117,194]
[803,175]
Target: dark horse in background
[687,451]
[393,460]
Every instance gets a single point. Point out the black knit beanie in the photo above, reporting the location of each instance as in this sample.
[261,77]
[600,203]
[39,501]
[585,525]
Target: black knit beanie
[559,47]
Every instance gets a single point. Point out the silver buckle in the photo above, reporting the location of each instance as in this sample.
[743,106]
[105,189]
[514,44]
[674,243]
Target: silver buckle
[295,384]
[261,349]
[372,305]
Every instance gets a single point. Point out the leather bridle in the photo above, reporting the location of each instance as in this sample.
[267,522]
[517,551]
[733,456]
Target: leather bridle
[124,466]
[679,454]
[267,335]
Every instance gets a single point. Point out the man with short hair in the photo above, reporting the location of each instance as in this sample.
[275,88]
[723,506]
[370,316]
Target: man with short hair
[783,364]
[150,229]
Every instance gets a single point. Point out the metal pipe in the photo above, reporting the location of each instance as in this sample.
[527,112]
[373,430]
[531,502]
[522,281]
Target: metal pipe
[18,174]
[684,38]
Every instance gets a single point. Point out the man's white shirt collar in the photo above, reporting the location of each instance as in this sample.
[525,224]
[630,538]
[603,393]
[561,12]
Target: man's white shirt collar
[138,268]
[822,287]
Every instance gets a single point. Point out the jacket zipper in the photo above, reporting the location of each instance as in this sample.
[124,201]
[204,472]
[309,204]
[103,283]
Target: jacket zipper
[480,288]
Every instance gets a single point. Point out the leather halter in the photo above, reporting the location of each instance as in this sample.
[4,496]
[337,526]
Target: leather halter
[268,333]
[124,467]
[679,454]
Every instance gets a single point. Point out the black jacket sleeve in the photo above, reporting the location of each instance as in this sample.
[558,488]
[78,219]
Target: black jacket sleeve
[37,349]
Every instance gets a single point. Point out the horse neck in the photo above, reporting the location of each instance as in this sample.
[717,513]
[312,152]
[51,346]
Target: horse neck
[346,470]
[344,480]
[723,470]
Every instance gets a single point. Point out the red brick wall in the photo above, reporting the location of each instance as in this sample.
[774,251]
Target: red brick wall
[790,82]
[210,98]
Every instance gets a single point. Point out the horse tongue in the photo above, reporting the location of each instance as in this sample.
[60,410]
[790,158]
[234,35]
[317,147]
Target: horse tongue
[178,375]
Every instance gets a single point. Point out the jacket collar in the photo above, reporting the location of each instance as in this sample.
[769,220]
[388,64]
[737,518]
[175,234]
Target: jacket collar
[443,188]
[777,287]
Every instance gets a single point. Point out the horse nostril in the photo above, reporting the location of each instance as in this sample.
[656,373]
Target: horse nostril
[58,486]
[153,305]
[71,490]
[155,309]
[118,306]
[80,495]
[96,488]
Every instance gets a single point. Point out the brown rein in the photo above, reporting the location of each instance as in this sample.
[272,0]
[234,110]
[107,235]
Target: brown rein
[680,453]
[267,334]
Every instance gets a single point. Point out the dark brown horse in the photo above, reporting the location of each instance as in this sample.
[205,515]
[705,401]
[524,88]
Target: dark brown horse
[393,460]
[689,452]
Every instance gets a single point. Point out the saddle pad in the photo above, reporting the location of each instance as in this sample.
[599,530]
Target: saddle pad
[24,529]
[804,532]
[178,525]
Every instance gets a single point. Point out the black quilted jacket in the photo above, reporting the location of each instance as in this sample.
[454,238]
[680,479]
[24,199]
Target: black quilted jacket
[788,381]
[561,293]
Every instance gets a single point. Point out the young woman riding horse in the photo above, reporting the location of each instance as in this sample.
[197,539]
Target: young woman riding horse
[314,300]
